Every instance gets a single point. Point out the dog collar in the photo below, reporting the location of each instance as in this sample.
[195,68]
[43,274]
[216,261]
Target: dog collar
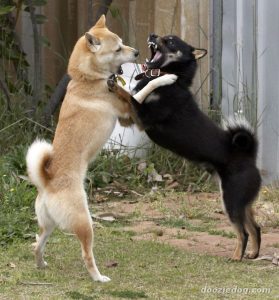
[149,73]
[117,77]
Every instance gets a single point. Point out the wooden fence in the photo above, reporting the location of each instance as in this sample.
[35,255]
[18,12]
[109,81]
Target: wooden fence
[133,20]
[240,36]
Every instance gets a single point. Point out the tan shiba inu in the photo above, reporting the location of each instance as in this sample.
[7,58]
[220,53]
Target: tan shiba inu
[87,118]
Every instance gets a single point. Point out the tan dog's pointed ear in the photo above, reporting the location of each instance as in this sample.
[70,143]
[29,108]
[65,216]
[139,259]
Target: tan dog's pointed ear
[199,53]
[101,22]
[92,42]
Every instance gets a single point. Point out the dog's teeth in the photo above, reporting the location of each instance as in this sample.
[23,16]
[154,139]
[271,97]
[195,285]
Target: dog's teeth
[146,60]
[149,45]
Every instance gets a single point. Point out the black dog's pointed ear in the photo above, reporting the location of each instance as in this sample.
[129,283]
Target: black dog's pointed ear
[199,53]
[92,42]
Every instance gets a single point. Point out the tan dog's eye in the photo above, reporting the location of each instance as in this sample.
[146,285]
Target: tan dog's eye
[118,50]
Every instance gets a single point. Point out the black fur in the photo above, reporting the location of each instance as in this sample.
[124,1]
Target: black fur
[175,122]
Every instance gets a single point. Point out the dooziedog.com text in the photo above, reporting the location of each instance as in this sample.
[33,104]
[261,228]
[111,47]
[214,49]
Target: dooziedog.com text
[234,290]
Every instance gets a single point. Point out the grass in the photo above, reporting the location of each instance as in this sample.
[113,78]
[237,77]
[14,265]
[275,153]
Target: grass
[145,270]
[16,203]
[223,233]
[194,217]
[110,167]
[208,227]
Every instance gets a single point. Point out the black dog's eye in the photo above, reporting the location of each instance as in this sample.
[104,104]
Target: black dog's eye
[170,42]
[118,50]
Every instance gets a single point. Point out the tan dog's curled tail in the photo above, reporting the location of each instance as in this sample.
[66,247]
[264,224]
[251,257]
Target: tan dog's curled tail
[38,156]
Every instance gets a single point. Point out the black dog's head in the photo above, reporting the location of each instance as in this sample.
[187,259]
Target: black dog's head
[172,55]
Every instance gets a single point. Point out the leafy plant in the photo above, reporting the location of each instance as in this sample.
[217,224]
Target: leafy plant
[13,58]
[16,204]
[15,67]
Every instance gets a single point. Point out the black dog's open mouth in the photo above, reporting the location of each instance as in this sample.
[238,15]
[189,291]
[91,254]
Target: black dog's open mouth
[157,55]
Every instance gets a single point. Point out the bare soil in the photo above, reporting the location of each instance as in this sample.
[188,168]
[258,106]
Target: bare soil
[162,218]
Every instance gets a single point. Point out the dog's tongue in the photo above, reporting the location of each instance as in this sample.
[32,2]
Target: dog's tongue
[157,56]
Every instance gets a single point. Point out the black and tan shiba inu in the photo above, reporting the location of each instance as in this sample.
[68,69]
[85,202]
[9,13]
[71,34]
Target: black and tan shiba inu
[87,118]
[173,120]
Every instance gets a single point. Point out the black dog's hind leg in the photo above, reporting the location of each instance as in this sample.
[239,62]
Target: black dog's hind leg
[254,231]
[238,195]
[242,239]
[237,221]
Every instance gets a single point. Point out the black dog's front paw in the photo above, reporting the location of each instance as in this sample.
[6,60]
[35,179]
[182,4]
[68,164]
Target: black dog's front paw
[111,84]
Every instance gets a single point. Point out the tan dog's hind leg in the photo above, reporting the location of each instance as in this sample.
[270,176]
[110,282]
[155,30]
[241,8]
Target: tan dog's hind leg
[84,232]
[40,244]
[47,226]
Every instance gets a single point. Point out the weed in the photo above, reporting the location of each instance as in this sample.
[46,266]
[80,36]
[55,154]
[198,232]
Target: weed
[205,226]
[158,232]
[16,198]
[159,205]
[182,235]
[174,222]
[223,233]
[127,233]
[16,208]
[186,173]
[145,269]
[128,294]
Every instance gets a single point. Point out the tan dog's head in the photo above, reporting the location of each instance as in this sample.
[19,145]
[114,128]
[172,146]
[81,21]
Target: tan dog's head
[99,52]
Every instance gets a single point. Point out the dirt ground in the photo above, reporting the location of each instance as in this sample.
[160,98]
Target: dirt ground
[193,222]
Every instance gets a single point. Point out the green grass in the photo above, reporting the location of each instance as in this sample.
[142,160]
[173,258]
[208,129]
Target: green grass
[16,203]
[17,195]
[145,270]
[205,226]
[223,233]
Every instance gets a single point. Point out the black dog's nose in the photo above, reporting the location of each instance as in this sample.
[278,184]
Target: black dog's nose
[136,53]
[153,36]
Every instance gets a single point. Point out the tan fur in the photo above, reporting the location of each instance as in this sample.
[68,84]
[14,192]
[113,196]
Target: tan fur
[46,160]
[250,226]
[238,252]
[87,118]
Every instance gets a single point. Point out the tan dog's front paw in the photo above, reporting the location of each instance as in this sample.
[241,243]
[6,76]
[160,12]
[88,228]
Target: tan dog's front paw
[112,85]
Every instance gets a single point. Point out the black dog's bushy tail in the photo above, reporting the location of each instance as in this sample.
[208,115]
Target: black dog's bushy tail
[242,136]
